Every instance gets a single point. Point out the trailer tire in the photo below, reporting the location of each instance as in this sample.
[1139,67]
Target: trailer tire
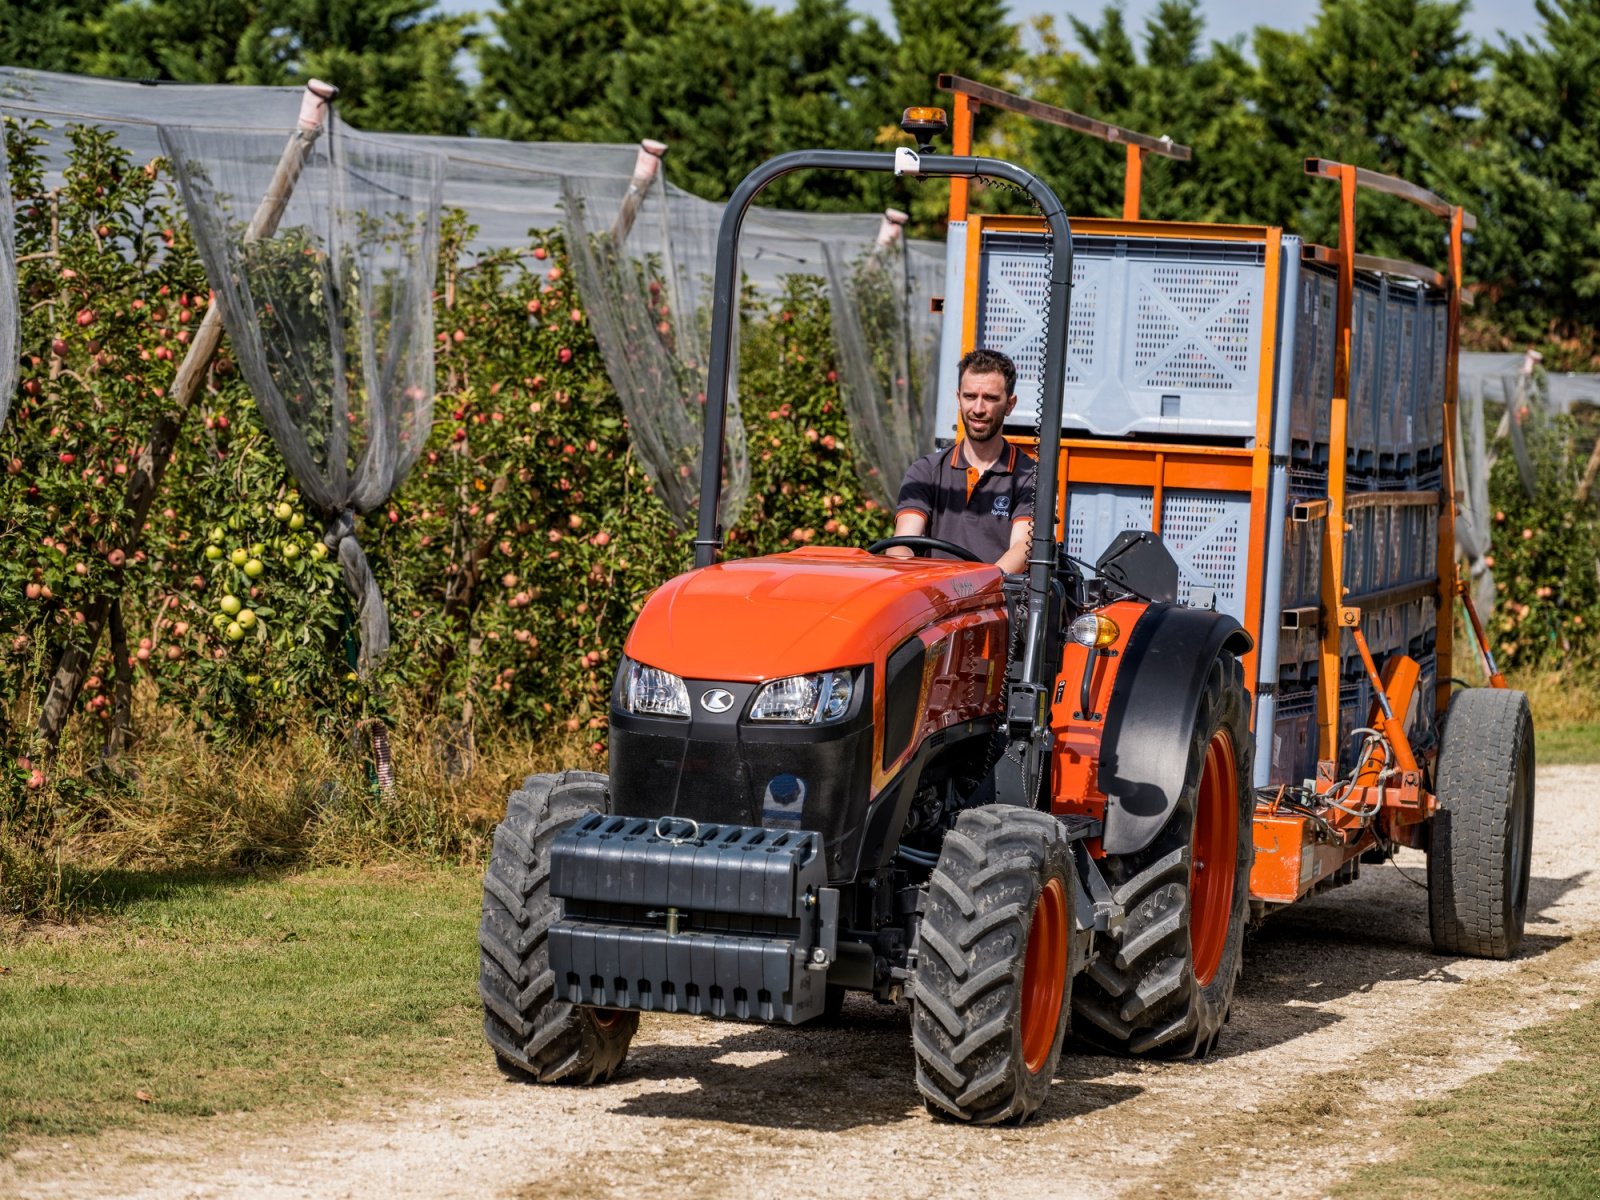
[1163,983]
[993,971]
[534,1035]
[1480,841]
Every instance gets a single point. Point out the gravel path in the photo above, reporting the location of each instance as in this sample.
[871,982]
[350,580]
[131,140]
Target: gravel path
[1343,1012]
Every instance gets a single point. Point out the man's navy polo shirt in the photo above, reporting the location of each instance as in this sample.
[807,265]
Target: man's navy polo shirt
[974,511]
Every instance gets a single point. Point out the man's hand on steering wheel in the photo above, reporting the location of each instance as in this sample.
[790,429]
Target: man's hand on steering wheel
[923,546]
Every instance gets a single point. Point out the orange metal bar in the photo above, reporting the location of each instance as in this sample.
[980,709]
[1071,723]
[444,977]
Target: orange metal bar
[1496,679]
[1392,727]
[1132,183]
[1444,645]
[1261,456]
[1400,676]
[1338,432]
[1115,226]
[1158,493]
[966,109]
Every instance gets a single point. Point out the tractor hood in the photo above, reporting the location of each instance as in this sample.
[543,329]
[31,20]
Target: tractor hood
[806,610]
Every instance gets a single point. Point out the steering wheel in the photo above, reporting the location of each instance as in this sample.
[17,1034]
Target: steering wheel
[924,544]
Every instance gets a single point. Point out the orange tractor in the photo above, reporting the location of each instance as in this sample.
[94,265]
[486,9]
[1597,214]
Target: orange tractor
[1222,683]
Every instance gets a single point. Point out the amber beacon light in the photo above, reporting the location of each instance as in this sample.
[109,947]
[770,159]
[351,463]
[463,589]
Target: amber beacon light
[924,124]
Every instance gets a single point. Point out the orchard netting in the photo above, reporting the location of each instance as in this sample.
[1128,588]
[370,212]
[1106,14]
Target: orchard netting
[10,301]
[643,249]
[330,313]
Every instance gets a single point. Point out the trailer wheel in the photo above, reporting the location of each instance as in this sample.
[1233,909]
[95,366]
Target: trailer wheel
[993,976]
[1481,838]
[533,1034]
[1163,983]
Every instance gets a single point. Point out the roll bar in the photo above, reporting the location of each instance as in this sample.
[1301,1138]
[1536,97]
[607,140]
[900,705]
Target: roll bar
[1043,550]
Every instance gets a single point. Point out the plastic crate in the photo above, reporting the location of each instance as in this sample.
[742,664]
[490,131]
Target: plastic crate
[1294,738]
[1164,336]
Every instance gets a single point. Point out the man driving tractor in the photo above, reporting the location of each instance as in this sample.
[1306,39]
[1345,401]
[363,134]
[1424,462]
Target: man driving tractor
[978,493]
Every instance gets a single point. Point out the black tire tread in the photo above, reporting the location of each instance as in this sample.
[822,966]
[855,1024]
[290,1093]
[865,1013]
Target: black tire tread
[534,1034]
[1475,876]
[1139,995]
[966,1015]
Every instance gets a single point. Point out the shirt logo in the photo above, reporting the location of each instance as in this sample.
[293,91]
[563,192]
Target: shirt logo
[1002,506]
[716,700]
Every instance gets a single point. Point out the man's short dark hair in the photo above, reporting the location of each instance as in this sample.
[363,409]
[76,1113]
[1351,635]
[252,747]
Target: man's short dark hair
[987,362]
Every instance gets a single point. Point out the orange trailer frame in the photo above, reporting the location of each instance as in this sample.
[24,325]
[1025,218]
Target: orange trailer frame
[1296,852]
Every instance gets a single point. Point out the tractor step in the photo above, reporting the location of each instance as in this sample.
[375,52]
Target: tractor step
[671,915]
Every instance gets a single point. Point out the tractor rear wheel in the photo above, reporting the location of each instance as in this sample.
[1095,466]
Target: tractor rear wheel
[993,970]
[1163,984]
[534,1034]
[1481,839]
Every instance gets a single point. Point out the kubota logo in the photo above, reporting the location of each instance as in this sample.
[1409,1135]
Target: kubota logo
[716,700]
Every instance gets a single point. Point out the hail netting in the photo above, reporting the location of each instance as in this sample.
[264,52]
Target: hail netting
[10,308]
[653,329]
[330,316]
[885,340]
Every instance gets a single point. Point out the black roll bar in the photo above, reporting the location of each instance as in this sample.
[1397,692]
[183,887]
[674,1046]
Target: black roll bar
[1043,550]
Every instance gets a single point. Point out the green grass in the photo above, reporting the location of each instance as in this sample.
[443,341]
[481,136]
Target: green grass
[1579,743]
[223,993]
[1531,1128]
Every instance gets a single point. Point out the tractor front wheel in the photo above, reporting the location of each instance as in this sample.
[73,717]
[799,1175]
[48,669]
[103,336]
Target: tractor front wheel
[1481,839]
[1163,983]
[534,1034]
[993,970]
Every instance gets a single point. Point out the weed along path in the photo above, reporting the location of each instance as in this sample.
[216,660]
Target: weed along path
[1345,1023]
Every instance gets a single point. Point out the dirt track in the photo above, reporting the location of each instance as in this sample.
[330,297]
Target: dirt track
[1342,1013]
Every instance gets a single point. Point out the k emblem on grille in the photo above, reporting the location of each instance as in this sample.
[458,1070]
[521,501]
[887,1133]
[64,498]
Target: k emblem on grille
[716,700]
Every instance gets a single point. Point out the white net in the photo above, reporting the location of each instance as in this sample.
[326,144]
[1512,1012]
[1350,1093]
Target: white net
[885,333]
[10,311]
[330,313]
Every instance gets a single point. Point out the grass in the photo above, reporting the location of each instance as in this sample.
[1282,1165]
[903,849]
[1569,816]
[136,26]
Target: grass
[1531,1128]
[195,994]
[1566,715]
[302,797]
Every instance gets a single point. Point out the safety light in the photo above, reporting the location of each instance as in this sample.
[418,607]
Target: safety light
[805,699]
[924,124]
[1094,630]
[653,692]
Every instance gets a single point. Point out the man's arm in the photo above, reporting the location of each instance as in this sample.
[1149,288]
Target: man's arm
[908,522]
[1016,556]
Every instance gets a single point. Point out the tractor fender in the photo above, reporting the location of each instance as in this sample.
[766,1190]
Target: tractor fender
[1144,752]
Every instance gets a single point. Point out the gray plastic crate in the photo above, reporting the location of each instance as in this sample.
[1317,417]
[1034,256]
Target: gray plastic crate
[1313,350]
[1397,392]
[1164,336]
[1294,738]
[1206,532]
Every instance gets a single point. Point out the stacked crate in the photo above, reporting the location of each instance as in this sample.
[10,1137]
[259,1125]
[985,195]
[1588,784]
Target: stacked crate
[1169,341]
[1392,469]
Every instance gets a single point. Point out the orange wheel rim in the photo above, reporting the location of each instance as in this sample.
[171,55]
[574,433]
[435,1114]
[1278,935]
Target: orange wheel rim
[1214,857]
[606,1018]
[1044,976]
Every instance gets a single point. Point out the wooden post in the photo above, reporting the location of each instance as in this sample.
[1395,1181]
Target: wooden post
[145,479]
[646,166]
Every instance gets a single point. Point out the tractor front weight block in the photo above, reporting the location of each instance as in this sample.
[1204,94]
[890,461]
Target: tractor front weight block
[671,915]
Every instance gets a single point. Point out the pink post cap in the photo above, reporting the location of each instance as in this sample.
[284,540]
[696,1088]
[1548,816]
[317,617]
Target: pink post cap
[314,103]
[648,161]
[889,227]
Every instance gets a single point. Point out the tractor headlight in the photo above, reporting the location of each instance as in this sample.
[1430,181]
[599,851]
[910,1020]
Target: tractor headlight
[1094,630]
[805,699]
[653,692]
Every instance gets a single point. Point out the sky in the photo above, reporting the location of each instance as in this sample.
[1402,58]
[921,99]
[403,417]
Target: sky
[1225,19]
